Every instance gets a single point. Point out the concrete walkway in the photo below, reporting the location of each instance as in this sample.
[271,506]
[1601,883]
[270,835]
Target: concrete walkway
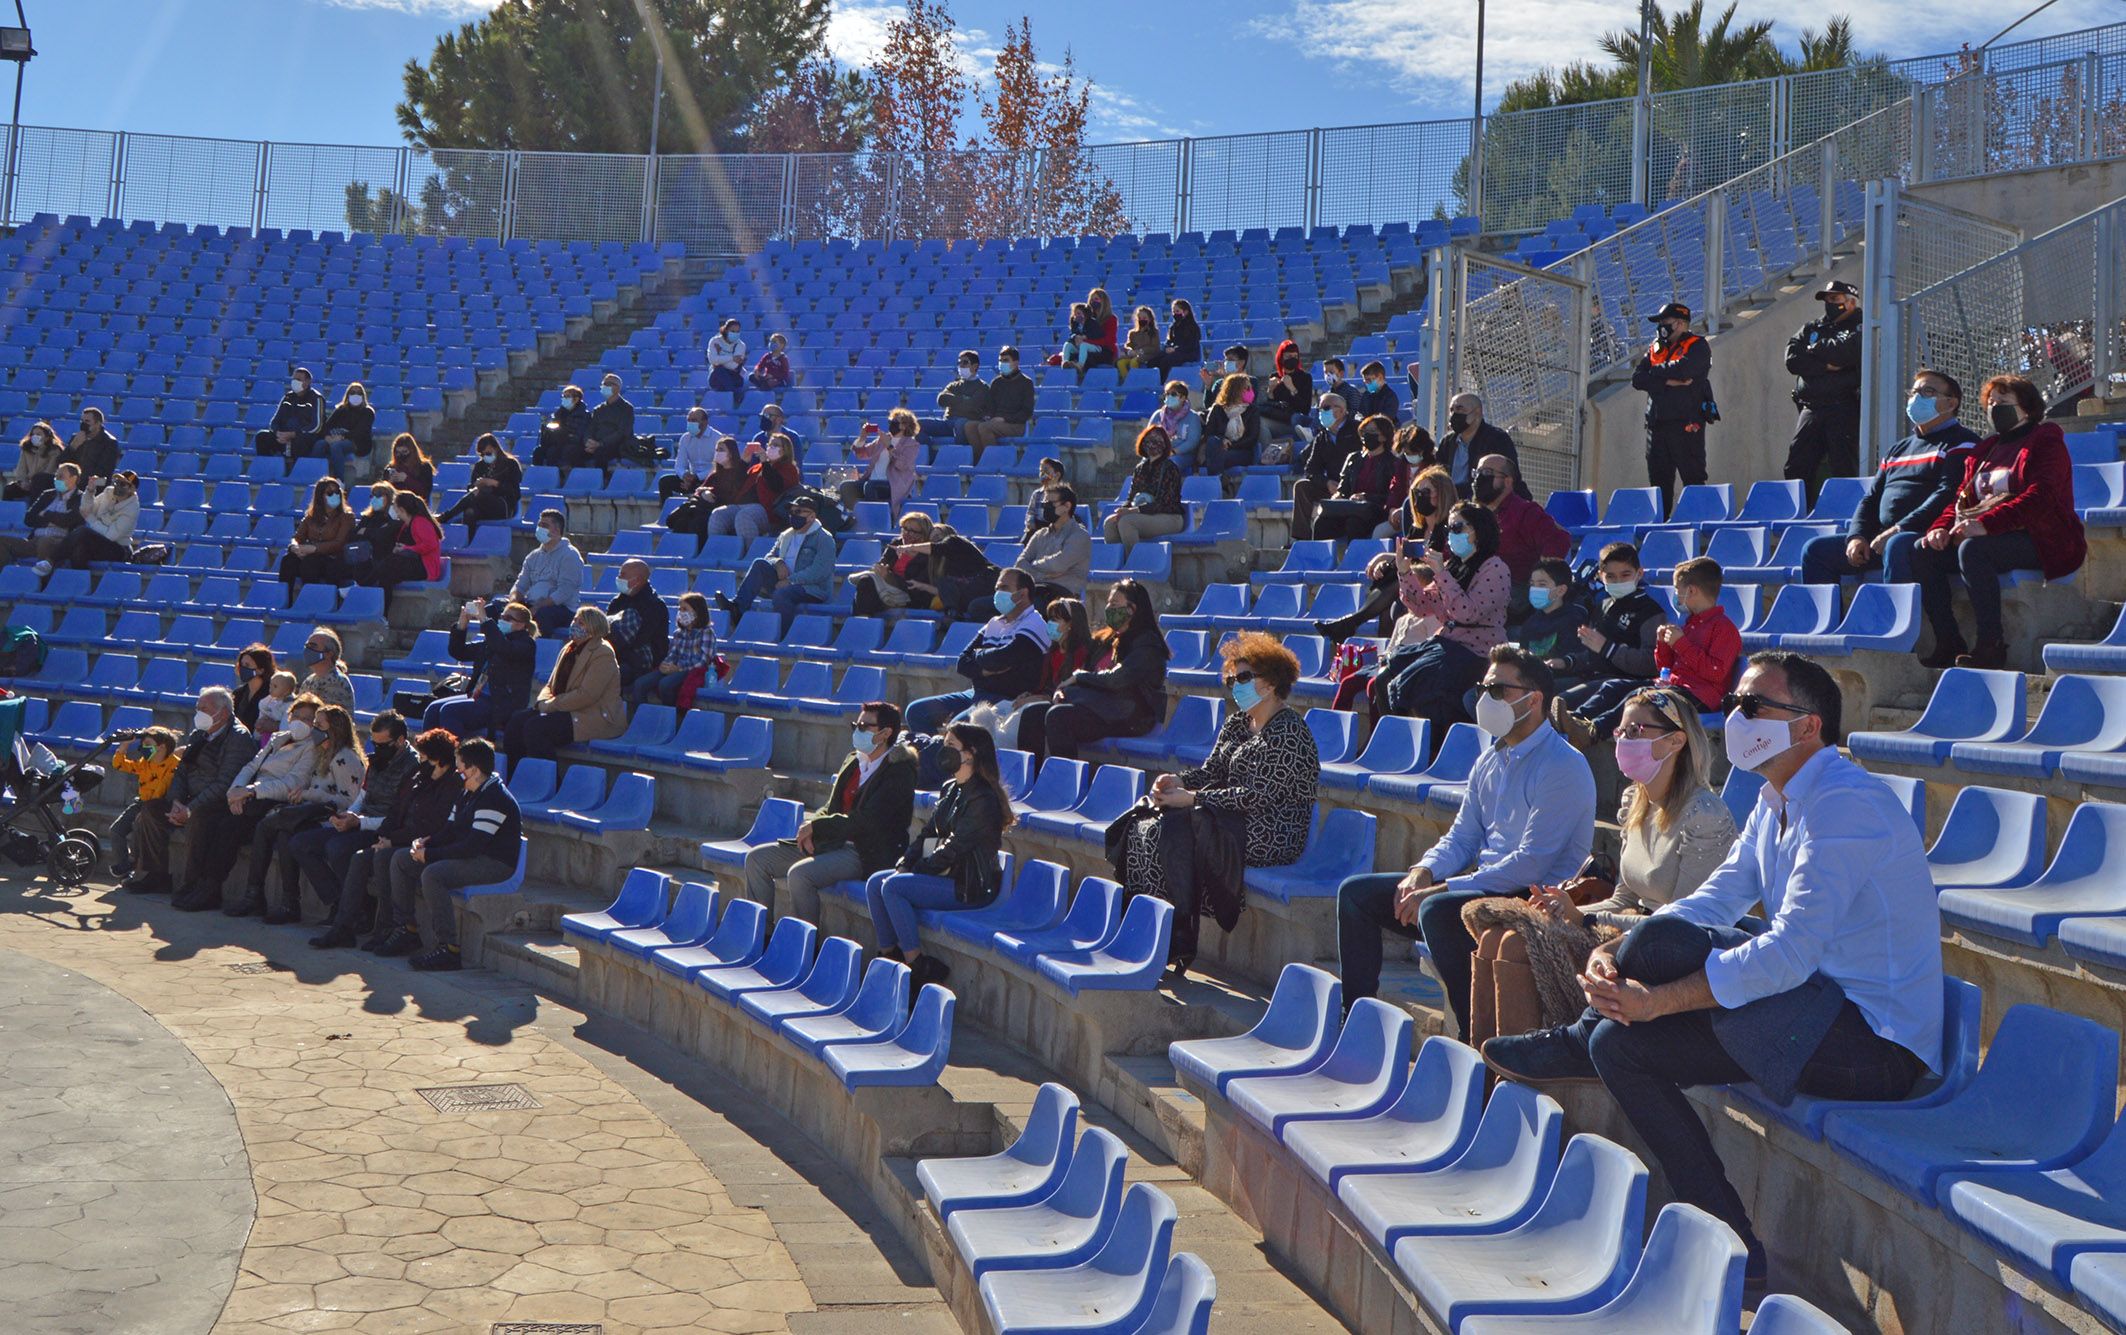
[398,1189]
[125,1192]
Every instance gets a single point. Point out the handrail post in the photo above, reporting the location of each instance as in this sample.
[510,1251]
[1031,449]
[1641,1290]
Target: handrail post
[1715,260]
[2105,354]
[1827,197]
[258,186]
[116,204]
[1882,366]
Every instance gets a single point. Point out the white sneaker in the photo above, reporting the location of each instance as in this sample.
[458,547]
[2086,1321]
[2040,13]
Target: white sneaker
[43,569]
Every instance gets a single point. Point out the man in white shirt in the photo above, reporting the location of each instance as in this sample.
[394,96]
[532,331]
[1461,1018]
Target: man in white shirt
[1839,996]
[693,457]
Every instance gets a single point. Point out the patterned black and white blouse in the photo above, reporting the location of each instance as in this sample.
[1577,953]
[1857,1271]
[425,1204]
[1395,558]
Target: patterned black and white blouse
[1269,777]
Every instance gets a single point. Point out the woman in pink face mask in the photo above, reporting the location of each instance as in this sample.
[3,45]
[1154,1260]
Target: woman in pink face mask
[1529,953]
[1232,425]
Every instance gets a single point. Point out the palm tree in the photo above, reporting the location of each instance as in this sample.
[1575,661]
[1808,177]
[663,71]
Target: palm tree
[1687,54]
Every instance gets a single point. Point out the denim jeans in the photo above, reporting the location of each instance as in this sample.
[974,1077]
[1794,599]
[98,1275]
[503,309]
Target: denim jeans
[1647,1066]
[930,714]
[337,450]
[1823,559]
[1981,562]
[463,715]
[1365,907]
[894,897]
[323,854]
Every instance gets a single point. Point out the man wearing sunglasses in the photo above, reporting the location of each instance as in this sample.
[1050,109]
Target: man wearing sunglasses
[1528,820]
[1837,995]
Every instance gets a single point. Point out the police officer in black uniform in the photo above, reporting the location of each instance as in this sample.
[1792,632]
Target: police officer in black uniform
[1676,377]
[1825,360]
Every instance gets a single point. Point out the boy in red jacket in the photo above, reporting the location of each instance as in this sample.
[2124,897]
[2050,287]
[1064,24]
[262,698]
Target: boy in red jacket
[1700,655]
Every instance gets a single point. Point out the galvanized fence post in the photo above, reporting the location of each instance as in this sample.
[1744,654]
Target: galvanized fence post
[2105,354]
[117,201]
[1715,260]
[258,186]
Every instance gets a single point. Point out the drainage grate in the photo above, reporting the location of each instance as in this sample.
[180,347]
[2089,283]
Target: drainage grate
[546,1328]
[486,1098]
[260,966]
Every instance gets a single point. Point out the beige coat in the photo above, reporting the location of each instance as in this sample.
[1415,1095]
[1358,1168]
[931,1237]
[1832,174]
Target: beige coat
[592,700]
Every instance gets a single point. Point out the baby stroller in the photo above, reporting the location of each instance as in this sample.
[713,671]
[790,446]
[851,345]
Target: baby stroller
[42,793]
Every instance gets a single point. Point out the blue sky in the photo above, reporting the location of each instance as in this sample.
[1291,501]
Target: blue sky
[230,67]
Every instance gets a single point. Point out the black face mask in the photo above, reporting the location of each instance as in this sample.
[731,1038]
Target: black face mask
[1457,422]
[1488,490]
[2005,417]
[1422,502]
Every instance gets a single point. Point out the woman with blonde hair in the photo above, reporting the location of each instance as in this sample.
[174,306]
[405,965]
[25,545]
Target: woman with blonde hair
[580,701]
[1676,830]
[350,429]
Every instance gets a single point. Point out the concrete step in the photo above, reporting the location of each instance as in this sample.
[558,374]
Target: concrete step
[541,959]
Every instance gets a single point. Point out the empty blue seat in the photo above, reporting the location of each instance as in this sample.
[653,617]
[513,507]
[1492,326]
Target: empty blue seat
[1061,1228]
[2082,880]
[778,818]
[691,919]
[1364,1073]
[1132,960]
[2046,1219]
[1339,846]
[1430,1124]
[874,1011]
[1026,1171]
[1991,837]
[1457,755]
[1398,746]
[1059,786]
[1968,705]
[2106,655]
[748,745]
[2079,714]
[581,788]
[2039,1058]
[629,806]
[738,939]
[648,730]
[1111,1292]
[1294,1035]
[1494,1184]
[1187,737]
[1113,790]
[1688,1282]
[828,985]
[1883,619]
[780,965]
[1784,1314]
[1182,1305]
[1797,609]
[1095,916]
[1573,1255]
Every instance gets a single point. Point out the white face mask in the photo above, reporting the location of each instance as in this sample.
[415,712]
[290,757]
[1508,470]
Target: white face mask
[686,620]
[202,720]
[612,392]
[1753,741]
[298,731]
[1496,717]
[357,400]
[298,386]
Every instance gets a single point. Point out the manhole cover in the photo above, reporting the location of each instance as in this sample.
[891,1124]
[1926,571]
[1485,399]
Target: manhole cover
[545,1328]
[259,966]
[488,1098]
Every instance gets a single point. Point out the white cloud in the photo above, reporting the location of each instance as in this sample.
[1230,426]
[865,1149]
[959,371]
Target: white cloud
[449,9]
[1430,50]
[856,32]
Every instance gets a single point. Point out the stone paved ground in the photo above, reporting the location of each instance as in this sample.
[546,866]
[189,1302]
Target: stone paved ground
[378,1213]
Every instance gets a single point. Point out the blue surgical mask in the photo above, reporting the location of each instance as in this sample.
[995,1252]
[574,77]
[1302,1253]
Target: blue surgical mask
[1539,596]
[1246,695]
[860,738]
[1462,545]
[1002,600]
[1922,408]
[1173,400]
[1618,588]
[61,485]
[546,534]
[1374,385]
[1006,368]
[612,391]
[332,502]
[578,632]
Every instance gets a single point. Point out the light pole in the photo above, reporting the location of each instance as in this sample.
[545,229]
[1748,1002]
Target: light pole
[1476,124]
[15,46]
[657,101]
[1642,107]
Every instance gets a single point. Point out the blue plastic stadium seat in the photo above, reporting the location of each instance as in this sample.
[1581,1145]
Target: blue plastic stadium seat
[1339,846]
[1493,1185]
[1883,618]
[2079,714]
[2047,1218]
[1187,737]
[1962,1007]
[1112,1291]
[2081,881]
[1398,746]
[1457,755]
[689,923]
[1113,790]
[1182,1306]
[2105,655]
[1033,902]
[875,1012]
[913,1056]
[1132,960]
[1688,1282]
[1363,1074]
[2039,1058]
[628,806]
[828,986]
[1797,609]
[778,818]
[1784,1314]
[1294,1035]
[781,964]
[1430,1123]
[1968,705]
[1027,1170]
[1992,837]
[739,938]
[748,745]
[1095,916]
[1573,1255]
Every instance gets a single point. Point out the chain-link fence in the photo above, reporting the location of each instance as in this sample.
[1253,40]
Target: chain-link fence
[1520,343]
[2045,101]
[1935,242]
[2043,309]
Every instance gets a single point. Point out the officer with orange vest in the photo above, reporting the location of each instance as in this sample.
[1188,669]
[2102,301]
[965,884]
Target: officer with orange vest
[1676,376]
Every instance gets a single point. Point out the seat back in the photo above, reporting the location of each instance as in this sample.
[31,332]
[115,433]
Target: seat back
[1303,1009]
[1335,734]
[1113,789]
[1784,1314]
[882,998]
[1182,1306]
[693,914]
[831,981]
[738,938]
[1375,1039]
[1059,786]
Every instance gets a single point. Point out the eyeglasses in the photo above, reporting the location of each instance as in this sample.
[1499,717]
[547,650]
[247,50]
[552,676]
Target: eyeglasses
[1497,689]
[1238,677]
[1752,704]
[317,648]
[1635,731]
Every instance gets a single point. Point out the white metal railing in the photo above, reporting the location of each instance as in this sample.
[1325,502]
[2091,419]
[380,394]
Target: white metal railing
[2046,99]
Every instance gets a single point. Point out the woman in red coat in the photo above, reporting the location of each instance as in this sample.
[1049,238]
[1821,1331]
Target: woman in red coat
[2014,511]
[1100,330]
